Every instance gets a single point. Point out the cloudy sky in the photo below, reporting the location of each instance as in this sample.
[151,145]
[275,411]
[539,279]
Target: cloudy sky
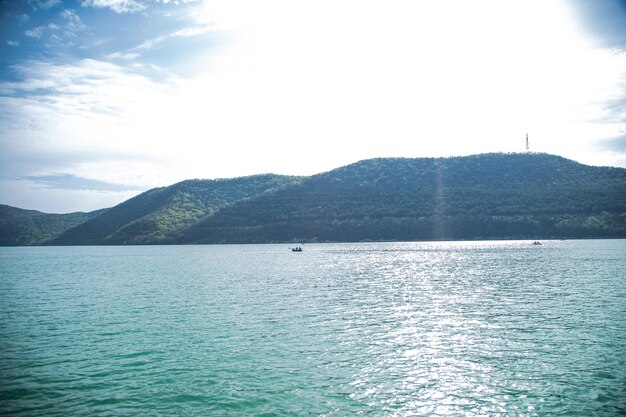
[103,99]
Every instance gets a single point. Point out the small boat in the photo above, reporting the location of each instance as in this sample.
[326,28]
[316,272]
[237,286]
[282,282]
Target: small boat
[296,249]
[536,243]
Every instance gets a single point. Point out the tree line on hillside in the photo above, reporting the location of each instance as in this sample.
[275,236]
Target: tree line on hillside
[489,196]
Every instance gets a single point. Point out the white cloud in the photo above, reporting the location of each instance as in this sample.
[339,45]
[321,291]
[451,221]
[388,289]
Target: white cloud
[70,15]
[54,200]
[150,44]
[305,87]
[88,119]
[118,6]
[13,43]
[48,4]
[73,25]
[364,79]
[126,56]
[52,26]
[35,32]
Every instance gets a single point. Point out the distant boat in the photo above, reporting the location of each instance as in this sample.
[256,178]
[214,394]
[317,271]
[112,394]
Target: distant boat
[536,243]
[296,249]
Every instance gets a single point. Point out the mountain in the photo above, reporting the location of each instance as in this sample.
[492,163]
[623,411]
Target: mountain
[157,215]
[489,196]
[19,227]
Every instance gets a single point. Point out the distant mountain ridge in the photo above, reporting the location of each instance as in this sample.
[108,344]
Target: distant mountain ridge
[487,196]
[19,227]
[157,215]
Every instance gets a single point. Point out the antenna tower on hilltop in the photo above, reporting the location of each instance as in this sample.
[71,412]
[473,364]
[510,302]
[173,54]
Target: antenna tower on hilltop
[527,147]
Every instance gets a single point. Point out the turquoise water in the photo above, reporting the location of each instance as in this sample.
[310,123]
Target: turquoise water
[398,329]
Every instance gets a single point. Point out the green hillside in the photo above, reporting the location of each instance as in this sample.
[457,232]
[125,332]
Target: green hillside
[20,227]
[156,215]
[477,197]
[489,196]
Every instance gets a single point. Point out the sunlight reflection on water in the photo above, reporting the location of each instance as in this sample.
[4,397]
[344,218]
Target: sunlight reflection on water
[454,328]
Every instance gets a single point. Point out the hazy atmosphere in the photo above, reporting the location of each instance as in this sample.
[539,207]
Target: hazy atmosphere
[103,99]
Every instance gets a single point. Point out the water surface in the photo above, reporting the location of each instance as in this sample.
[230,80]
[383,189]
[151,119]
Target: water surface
[419,329]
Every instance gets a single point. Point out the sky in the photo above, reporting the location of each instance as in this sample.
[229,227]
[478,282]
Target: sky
[103,99]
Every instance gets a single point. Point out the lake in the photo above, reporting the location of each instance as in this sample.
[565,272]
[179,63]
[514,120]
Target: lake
[498,328]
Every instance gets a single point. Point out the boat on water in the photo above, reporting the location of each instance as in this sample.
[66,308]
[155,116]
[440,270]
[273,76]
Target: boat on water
[296,249]
[536,243]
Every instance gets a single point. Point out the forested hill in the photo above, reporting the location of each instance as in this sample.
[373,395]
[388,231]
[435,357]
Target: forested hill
[476,197]
[489,196]
[19,227]
[156,215]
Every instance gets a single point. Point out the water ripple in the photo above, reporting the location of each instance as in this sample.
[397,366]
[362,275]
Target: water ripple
[397,329]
